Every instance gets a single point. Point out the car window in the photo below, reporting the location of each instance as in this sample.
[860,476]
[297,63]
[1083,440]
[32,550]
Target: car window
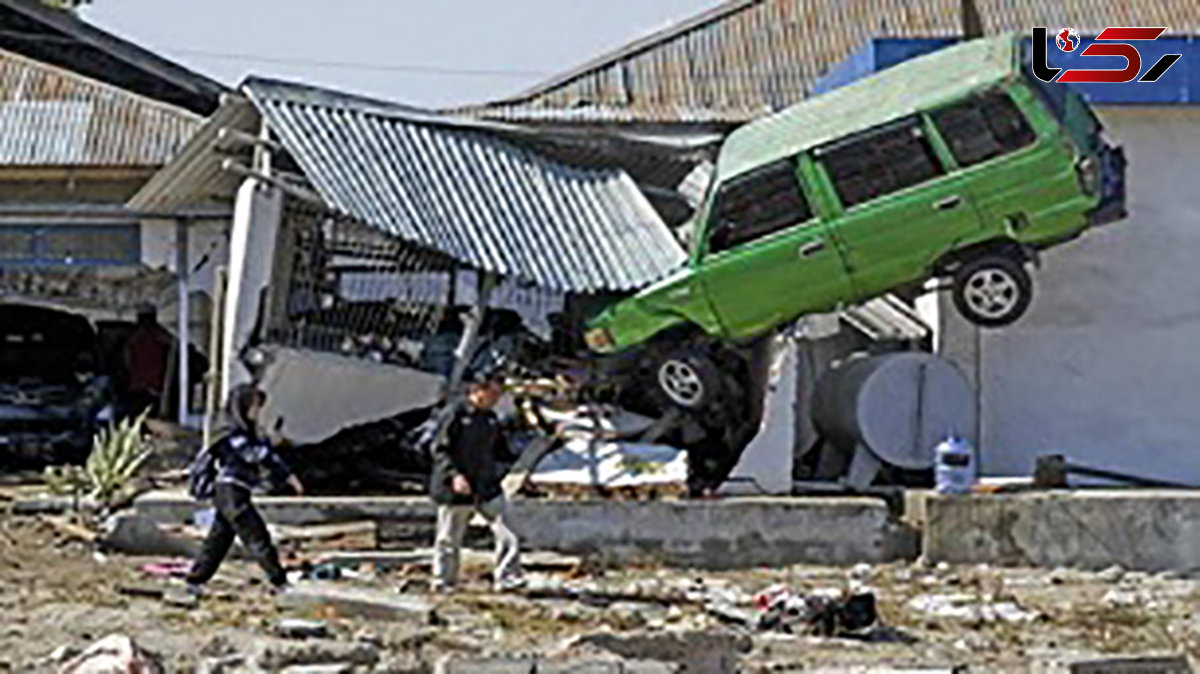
[756,204]
[983,127]
[880,161]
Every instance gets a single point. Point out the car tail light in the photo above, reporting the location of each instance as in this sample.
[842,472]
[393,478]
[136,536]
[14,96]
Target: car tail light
[1088,170]
[599,339]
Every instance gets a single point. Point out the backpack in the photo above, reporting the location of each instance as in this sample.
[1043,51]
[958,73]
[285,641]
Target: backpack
[202,474]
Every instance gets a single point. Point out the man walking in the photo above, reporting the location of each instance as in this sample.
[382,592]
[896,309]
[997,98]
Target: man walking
[466,480]
[240,457]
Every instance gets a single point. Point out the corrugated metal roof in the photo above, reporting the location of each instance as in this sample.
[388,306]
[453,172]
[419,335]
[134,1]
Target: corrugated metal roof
[747,58]
[459,188]
[194,176]
[52,117]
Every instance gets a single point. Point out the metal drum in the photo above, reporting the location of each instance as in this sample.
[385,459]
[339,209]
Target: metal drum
[898,406]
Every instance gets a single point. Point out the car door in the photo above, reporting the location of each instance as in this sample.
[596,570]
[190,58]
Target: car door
[766,257]
[1015,178]
[900,208]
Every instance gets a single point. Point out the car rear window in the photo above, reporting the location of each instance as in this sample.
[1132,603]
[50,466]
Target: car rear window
[983,127]
[756,204]
[880,161]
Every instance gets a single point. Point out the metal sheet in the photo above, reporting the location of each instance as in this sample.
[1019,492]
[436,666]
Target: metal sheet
[748,58]
[52,117]
[469,193]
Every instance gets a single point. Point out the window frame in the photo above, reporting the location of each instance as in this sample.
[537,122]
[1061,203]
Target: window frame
[802,193]
[975,97]
[916,121]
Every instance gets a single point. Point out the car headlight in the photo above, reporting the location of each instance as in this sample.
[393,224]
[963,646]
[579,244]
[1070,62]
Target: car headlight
[599,339]
[1088,170]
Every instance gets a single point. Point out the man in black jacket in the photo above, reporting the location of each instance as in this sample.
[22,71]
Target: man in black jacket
[240,457]
[466,480]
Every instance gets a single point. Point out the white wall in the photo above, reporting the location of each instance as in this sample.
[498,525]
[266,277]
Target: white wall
[256,219]
[318,393]
[1105,368]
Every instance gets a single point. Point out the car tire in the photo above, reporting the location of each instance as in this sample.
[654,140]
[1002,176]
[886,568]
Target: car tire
[992,291]
[688,379]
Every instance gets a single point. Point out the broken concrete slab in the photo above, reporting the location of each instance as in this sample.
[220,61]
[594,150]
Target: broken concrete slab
[135,535]
[371,604]
[1134,665]
[1146,530]
[708,651]
[299,628]
[717,534]
[276,654]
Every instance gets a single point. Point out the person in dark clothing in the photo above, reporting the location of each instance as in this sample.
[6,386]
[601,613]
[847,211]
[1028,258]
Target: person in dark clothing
[147,350]
[240,456]
[466,480]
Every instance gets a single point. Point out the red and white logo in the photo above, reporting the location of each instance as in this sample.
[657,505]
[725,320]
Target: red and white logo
[1112,41]
[1067,39]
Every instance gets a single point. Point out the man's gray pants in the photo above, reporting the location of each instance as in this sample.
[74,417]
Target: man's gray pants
[452,521]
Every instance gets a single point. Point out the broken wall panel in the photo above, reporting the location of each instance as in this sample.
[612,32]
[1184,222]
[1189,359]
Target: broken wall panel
[346,288]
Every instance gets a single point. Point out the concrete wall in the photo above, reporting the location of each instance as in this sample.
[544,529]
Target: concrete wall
[729,533]
[1142,530]
[1104,368]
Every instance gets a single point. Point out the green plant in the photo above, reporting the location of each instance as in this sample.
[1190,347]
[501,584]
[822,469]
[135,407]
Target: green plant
[118,452]
[67,480]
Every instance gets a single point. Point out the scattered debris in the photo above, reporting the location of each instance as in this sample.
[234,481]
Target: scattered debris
[136,535]
[363,603]
[298,628]
[114,654]
[820,613]
[971,608]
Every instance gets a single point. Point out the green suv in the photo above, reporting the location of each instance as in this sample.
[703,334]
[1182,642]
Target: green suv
[957,164]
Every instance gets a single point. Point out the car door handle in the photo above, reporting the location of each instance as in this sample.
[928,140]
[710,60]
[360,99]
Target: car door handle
[811,248]
[948,203]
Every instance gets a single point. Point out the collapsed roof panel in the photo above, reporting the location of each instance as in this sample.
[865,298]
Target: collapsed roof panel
[461,189]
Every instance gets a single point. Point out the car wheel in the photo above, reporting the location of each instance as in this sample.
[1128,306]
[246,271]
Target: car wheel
[992,291]
[688,379]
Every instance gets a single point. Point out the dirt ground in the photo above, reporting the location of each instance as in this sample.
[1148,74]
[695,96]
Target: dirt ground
[59,594]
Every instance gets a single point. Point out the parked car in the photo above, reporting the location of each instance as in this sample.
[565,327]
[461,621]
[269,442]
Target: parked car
[957,164]
[52,394]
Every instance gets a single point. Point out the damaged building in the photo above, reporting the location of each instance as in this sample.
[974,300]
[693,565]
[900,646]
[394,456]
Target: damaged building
[85,120]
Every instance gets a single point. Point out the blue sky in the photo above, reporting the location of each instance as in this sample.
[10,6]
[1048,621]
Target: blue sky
[423,52]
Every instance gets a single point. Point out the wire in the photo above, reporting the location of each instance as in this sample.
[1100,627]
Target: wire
[413,68]
[353,65]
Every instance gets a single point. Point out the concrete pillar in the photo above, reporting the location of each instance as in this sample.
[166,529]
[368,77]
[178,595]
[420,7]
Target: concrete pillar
[257,214]
[183,338]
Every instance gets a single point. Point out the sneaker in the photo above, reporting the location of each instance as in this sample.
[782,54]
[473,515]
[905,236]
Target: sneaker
[278,589]
[195,590]
[444,589]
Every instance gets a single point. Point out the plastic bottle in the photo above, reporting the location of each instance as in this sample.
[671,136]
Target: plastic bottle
[955,468]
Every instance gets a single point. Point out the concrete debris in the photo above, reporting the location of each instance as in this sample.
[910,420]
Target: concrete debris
[275,655]
[136,535]
[298,628]
[1134,665]
[114,654]
[708,651]
[971,608]
[372,604]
